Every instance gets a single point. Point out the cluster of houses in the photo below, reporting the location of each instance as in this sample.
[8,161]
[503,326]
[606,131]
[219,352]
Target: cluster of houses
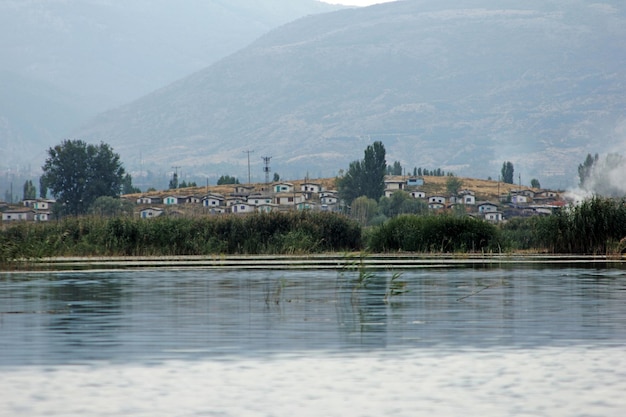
[521,202]
[247,199]
[37,210]
[307,195]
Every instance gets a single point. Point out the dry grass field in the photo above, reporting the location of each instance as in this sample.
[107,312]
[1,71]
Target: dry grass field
[484,189]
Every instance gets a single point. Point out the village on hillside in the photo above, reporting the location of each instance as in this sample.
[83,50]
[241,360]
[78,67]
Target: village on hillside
[493,201]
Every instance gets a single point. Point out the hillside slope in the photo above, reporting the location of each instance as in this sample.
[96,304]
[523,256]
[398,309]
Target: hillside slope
[462,85]
[65,61]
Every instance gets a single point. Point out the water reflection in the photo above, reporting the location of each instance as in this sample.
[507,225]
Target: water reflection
[159,314]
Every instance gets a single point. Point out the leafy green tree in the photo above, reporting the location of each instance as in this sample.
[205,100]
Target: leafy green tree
[30,192]
[401,203]
[127,185]
[535,183]
[363,209]
[77,174]
[395,169]
[365,177]
[276,177]
[585,169]
[453,185]
[227,179]
[111,207]
[507,172]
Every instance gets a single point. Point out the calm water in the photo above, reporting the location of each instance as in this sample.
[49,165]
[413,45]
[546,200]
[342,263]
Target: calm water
[519,341]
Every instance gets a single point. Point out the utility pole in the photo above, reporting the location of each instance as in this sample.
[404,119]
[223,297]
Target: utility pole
[248,152]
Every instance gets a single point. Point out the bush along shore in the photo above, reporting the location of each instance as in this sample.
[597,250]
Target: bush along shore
[595,227]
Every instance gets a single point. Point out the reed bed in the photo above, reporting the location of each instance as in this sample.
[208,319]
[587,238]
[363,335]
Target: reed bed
[595,227]
[441,234]
[263,233]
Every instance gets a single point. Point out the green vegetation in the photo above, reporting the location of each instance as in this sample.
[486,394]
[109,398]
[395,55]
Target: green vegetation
[365,177]
[434,234]
[30,192]
[585,169]
[535,183]
[77,174]
[227,179]
[597,226]
[430,172]
[271,233]
[507,172]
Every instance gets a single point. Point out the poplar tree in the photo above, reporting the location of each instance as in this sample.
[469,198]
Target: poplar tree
[365,177]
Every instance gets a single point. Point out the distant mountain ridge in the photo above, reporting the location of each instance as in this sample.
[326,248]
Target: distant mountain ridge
[462,85]
[73,59]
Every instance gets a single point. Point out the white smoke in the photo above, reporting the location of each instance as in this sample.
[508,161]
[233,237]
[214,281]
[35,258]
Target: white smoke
[607,178]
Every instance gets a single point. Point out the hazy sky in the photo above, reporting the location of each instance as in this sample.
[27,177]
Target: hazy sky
[356,2]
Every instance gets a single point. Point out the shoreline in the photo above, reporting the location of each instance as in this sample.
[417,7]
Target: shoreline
[332,261]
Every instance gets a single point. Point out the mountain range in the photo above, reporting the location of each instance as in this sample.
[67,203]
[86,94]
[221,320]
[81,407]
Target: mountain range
[463,85]
[65,61]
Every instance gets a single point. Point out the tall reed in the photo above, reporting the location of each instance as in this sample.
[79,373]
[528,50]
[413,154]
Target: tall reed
[434,234]
[288,232]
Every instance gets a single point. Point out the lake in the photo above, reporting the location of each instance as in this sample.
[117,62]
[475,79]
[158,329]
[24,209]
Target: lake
[457,340]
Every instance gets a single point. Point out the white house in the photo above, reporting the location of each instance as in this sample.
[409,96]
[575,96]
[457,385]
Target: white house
[418,194]
[175,199]
[393,184]
[194,199]
[231,201]
[42,216]
[18,214]
[494,216]
[329,199]
[213,200]
[310,187]
[147,199]
[283,187]
[258,199]
[487,207]
[288,199]
[436,199]
[242,208]
[149,213]
[466,197]
[519,199]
